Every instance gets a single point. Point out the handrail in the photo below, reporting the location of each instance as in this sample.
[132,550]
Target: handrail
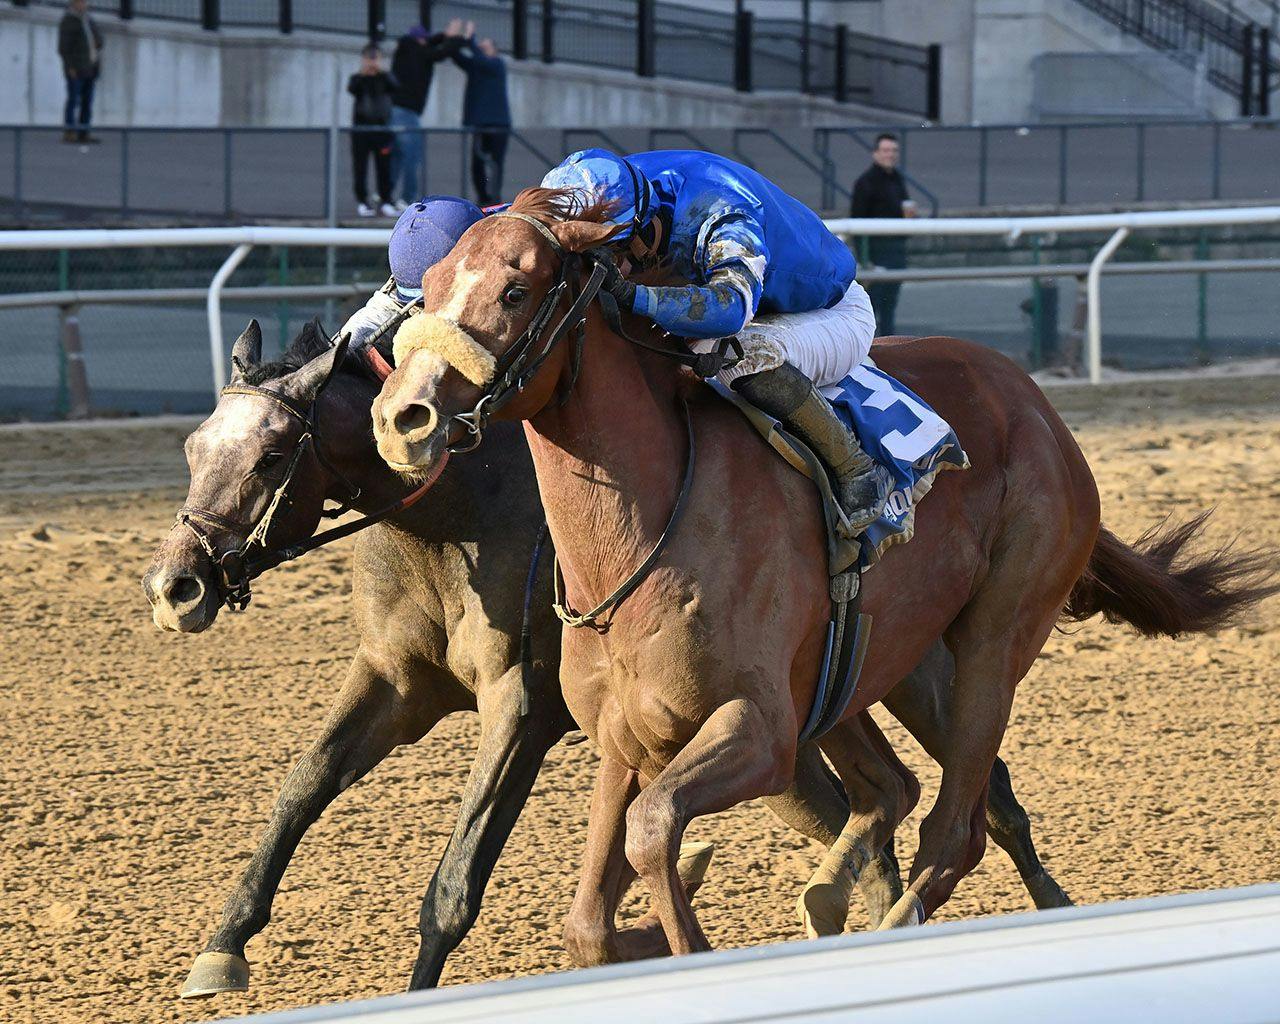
[610,141]
[914,182]
[790,149]
[242,238]
[683,133]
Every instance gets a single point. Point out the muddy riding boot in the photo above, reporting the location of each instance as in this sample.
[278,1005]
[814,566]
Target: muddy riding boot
[788,395]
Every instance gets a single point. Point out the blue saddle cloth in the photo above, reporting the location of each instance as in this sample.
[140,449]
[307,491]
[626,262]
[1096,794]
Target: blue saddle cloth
[911,443]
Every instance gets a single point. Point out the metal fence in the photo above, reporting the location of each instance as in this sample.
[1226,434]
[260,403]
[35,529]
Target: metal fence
[746,46]
[1069,164]
[1237,52]
[128,322]
[221,175]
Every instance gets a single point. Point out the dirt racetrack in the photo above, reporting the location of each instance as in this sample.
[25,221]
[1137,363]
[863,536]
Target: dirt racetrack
[139,767]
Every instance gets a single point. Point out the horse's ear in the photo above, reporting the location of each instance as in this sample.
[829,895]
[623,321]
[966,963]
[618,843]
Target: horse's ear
[247,350]
[581,235]
[308,381]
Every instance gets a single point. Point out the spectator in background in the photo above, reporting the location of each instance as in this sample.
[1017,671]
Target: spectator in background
[486,112]
[881,192]
[372,88]
[80,47]
[412,67]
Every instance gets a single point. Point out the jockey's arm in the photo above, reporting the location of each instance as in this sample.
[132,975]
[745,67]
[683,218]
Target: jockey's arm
[364,323]
[732,264]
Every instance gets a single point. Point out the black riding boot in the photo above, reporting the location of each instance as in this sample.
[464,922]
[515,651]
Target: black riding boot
[788,395]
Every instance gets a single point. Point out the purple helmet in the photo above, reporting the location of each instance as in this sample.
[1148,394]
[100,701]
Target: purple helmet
[423,236]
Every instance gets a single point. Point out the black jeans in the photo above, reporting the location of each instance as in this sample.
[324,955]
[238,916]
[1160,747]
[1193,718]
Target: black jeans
[891,254]
[79,100]
[378,145]
[488,152]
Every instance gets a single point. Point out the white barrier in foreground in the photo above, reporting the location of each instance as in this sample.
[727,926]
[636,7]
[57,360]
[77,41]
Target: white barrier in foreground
[1200,957]
[245,238]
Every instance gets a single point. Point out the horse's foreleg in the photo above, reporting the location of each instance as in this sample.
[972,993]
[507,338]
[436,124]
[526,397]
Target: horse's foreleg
[881,793]
[368,721]
[733,757]
[590,929]
[508,759]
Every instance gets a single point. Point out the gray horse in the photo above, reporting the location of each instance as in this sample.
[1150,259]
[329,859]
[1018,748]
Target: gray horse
[440,600]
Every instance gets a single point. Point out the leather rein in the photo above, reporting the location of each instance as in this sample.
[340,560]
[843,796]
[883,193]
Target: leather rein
[239,566]
[521,362]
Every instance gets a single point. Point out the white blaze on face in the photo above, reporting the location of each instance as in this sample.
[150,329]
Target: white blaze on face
[463,281]
[437,335]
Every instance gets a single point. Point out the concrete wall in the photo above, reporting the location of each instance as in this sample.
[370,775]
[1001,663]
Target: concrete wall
[159,73]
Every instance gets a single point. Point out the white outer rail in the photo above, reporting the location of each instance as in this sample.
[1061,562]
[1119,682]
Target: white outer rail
[244,238]
[1176,959]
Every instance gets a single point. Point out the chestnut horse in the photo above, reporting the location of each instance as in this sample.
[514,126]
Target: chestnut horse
[696,686]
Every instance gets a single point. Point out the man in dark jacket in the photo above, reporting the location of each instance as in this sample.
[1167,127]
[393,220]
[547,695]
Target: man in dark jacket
[881,192]
[486,112]
[80,47]
[412,66]
[372,88]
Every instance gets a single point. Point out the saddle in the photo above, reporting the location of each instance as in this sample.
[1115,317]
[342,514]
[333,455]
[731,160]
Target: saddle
[849,631]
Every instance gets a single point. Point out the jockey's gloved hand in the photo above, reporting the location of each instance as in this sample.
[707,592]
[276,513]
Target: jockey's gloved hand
[617,285]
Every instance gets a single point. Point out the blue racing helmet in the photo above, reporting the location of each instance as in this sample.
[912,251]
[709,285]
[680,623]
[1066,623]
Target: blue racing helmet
[423,236]
[608,178]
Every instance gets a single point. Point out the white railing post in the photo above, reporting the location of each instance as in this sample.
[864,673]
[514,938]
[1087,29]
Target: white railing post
[1093,296]
[214,306]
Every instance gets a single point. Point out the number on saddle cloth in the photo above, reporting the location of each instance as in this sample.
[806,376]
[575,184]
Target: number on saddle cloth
[904,435]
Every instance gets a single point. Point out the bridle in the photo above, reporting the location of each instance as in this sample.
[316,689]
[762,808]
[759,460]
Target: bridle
[254,555]
[521,362]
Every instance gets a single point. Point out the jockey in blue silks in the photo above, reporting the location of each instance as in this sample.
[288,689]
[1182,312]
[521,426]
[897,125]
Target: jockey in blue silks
[762,266]
[422,237]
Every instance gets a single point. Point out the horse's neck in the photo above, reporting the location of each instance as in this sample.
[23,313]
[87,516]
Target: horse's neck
[344,423]
[609,463]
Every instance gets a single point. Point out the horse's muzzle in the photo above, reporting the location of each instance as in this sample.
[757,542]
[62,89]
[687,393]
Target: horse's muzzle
[407,432]
[181,602]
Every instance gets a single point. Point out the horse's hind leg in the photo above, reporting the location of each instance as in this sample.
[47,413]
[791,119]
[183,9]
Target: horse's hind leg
[733,757]
[817,806]
[881,793]
[508,758]
[369,720]
[1009,826]
[994,640]
[922,703]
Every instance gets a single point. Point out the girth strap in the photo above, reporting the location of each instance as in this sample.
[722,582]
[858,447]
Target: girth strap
[570,618]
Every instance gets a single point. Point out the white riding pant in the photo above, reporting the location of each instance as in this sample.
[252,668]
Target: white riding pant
[823,344]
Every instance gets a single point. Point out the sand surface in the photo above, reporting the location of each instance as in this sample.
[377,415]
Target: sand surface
[139,767]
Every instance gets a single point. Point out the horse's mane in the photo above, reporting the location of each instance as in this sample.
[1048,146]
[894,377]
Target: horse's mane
[310,342]
[550,205]
[558,204]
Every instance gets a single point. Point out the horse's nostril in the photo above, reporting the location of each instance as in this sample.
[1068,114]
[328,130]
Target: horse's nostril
[415,417]
[183,590]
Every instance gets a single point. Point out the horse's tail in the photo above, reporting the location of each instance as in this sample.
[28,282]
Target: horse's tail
[1142,585]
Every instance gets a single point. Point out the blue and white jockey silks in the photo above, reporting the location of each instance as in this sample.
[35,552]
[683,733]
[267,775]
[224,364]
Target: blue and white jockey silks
[745,244]
[909,441]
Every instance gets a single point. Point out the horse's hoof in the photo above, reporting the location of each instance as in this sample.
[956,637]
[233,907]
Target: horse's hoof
[822,909]
[693,862]
[216,972]
[1045,892]
[906,913]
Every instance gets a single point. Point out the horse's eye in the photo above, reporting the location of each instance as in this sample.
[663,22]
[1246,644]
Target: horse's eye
[514,295]
[268,461]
